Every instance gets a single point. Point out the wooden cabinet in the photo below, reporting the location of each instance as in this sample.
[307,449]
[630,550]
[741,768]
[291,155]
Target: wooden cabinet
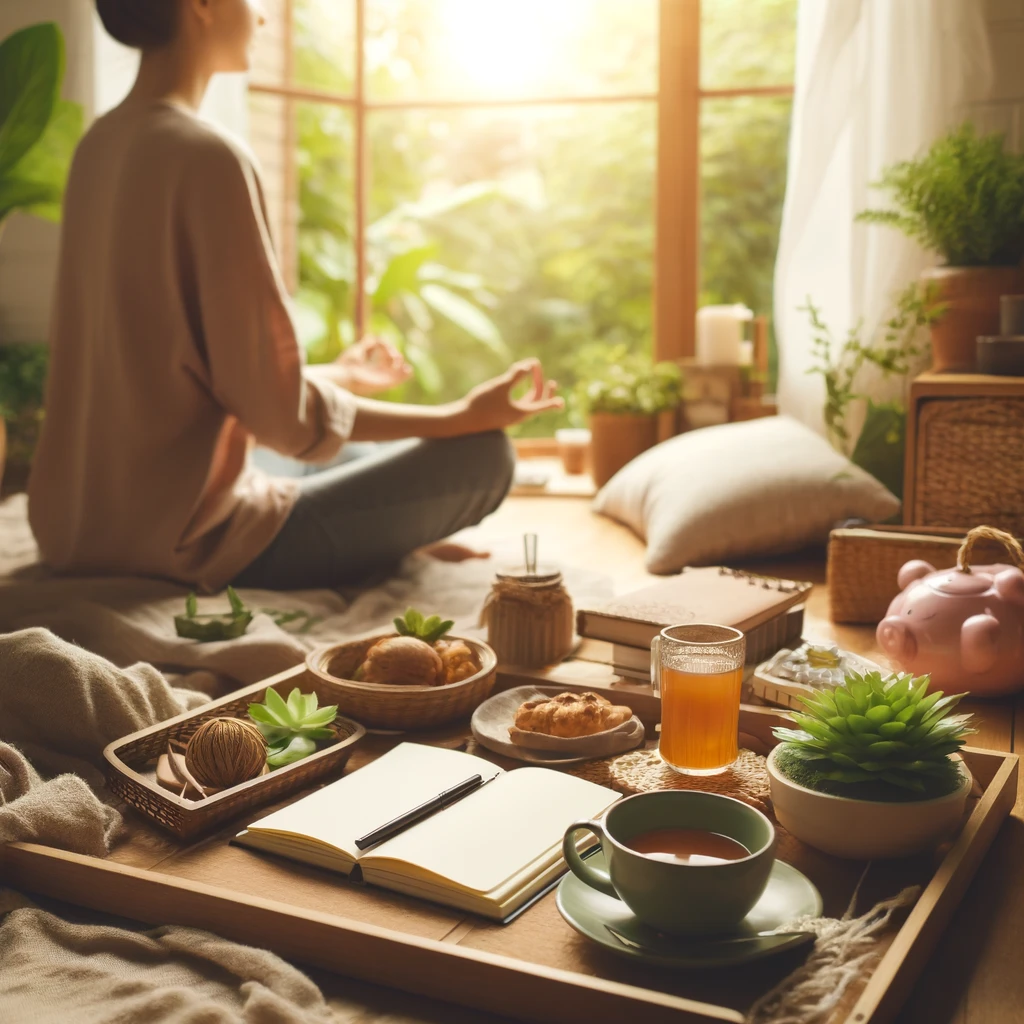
[965,452]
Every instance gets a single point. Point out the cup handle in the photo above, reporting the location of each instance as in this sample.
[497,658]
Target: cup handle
[585,872]
[656,665]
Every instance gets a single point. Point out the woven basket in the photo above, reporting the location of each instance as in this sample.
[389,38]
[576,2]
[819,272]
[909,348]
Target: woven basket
[863,564]
[381,706]
[969,464]
[131,774]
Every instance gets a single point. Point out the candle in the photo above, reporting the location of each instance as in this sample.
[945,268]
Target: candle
[720,334]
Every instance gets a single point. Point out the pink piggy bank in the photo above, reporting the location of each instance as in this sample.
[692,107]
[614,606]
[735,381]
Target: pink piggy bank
[966,629]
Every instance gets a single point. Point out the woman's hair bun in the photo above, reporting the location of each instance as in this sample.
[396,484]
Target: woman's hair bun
[143,24]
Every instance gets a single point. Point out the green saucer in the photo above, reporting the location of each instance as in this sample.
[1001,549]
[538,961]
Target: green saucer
[609,922]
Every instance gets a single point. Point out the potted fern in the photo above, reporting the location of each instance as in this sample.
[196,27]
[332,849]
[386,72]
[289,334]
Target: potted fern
[869,773]
[964,200]
[631,404]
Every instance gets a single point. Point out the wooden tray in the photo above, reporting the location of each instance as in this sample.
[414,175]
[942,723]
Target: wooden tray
[131,775]
[535,968]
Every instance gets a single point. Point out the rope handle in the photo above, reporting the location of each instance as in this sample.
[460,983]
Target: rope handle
[963,558]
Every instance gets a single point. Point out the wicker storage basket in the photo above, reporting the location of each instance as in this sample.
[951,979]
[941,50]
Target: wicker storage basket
[863,564]
[969,464]
[131,776]
[381,706]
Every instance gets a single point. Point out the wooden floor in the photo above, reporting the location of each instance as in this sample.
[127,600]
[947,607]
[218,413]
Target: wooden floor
[976,976]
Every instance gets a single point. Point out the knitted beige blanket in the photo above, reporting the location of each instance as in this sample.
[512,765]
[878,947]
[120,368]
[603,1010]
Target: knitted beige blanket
[64,705]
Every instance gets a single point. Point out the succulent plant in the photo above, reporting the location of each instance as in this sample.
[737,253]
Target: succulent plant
[875,729]
[291,728]
[428,630]
[210,628]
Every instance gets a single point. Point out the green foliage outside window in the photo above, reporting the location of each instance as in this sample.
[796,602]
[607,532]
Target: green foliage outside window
[500,233]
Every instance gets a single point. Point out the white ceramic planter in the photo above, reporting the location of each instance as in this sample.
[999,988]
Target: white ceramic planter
[864,829]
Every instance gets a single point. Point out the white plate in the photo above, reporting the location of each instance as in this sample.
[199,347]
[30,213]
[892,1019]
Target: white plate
[491,720]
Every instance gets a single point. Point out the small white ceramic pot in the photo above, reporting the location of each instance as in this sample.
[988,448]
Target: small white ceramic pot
[864,829]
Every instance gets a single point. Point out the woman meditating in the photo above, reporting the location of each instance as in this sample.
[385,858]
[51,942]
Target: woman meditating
[173,353]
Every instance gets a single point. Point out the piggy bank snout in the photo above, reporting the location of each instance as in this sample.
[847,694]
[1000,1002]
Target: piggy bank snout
[895,638]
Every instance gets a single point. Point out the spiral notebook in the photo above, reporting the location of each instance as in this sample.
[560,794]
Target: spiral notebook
[756,605]
[490,853]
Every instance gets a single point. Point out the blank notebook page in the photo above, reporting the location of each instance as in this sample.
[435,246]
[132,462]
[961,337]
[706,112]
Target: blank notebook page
[490,835]
[357,804]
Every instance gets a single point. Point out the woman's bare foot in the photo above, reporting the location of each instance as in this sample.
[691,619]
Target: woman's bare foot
[449,551]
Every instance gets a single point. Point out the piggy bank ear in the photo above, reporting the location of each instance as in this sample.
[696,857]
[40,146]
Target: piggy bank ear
[914,570]
[979,643]
[1009,585]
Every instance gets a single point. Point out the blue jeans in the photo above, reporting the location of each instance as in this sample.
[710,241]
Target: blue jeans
[363,513]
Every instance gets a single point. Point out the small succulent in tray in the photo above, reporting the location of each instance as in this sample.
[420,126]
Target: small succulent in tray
[419,656]
[292,727]
[876,738]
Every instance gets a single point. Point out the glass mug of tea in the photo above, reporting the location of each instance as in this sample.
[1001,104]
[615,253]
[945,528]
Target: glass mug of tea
[697,670]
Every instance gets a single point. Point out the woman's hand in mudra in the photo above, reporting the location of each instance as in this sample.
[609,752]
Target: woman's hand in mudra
[371,366]
[490,406]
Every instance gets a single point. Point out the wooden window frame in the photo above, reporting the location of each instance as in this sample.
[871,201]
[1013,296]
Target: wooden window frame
[677,213]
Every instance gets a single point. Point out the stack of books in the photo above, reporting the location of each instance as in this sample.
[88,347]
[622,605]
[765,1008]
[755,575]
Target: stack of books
[768,610]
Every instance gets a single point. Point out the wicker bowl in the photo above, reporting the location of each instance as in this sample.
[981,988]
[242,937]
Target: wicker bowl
[382,706]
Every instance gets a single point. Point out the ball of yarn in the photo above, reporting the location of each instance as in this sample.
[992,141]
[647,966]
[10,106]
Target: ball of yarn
[226,751]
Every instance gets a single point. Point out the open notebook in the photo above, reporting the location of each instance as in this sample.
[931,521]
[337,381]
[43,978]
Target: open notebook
[490,853]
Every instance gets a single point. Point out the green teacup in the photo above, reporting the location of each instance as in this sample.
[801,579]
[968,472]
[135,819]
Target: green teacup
[679,897]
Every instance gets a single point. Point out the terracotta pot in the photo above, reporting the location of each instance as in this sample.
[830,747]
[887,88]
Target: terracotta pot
[618,438]
[972,296]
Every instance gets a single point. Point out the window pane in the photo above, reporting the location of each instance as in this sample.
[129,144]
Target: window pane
[743,182]
[321,54]
[496,235]
[746,43]
[325,254]
[325,54]
[487,49]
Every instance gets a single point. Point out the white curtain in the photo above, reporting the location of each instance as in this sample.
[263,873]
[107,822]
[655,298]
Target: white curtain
[876,81]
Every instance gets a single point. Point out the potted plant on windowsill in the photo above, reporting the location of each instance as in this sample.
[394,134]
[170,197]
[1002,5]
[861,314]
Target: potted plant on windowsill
[870,772]
[964,200]
[631,404]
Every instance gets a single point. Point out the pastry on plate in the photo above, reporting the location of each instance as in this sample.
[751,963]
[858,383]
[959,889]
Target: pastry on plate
[569,715]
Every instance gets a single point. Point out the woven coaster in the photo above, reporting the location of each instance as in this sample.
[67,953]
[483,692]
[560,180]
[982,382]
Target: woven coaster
[643,771]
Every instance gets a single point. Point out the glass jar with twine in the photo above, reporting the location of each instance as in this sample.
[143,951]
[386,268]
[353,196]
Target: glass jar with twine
[529,613]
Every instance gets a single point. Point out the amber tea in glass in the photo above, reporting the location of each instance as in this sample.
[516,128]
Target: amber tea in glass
[698,673]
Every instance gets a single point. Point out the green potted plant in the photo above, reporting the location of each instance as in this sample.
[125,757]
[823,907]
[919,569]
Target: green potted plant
[38,134]
[870,771]
[893,350]
[22,377]
[964,200]
[630,403]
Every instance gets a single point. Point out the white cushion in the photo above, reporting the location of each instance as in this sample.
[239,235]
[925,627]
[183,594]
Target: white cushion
[761,487]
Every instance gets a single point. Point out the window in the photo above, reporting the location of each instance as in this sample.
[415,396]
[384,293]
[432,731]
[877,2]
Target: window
[485,179]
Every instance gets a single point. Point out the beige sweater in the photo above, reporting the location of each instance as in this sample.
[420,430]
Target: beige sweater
[172,349]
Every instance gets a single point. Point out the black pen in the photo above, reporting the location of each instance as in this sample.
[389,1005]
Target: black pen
[425,809]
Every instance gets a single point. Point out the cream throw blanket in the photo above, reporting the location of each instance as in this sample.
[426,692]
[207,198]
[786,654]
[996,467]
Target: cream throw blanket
[64,705]
[61,702]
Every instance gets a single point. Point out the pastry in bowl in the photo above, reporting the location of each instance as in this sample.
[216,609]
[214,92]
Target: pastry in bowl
[419,656]
[567,715]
